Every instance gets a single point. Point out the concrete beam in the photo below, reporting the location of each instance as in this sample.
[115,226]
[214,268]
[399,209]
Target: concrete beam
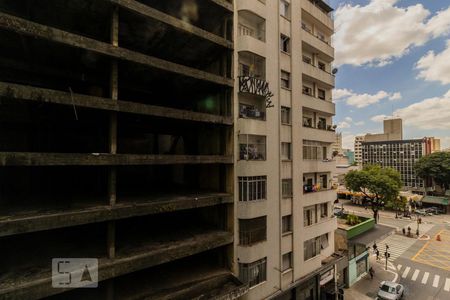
[39,285]
[35,30]
[29,93]
[126,208]
[105,159]
[223,3]
[155,14]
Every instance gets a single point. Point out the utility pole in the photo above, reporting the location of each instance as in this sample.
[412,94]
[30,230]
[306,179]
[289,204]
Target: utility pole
[387,254]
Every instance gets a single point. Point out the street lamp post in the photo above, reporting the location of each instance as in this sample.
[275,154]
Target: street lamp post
[418,223]
[387,255]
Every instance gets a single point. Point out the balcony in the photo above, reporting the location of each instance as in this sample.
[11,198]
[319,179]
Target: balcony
[327,135]
[257,87]
[252,147]
[328,108]
[320,196]
[314,73]
[320,11]
[327,225]
[256,6]
[318,166]
[315,43]
[251,33]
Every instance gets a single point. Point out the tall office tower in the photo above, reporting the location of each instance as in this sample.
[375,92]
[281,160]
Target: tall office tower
[116,130]
[283,123]
[392,131]
[358,149]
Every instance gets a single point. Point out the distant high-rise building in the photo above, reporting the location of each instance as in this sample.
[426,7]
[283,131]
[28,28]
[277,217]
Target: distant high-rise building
[358,149]
[400,155]
[336,147]
[392,131]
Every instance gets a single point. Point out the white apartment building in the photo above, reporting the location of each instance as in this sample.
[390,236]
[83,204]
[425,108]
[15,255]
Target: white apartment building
[358,149]
[284,245]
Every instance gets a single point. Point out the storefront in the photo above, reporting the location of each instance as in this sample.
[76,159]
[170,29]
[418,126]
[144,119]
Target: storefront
[442,203]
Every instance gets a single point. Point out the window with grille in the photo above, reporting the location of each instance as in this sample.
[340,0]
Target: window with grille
[323,210]
[286,224]
[314,150]
[252,231]
[252,188]
[252,147]
[287,261]
[286,188]
[285,80]
[253,273]
[285,115]
[286,151]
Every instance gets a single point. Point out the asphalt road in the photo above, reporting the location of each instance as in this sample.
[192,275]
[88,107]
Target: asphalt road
[422,266]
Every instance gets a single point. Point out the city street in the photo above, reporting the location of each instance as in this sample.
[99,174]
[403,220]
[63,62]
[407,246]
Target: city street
[421,265]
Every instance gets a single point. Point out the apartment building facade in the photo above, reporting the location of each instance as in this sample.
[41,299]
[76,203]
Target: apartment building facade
[283,133]
[401,155]
[116,143]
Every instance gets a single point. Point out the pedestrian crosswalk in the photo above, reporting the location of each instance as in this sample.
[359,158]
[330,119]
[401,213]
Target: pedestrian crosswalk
[397,244]
[417,275]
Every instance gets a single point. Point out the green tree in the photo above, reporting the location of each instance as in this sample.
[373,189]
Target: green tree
[379,185]
[436,166]
[399,203]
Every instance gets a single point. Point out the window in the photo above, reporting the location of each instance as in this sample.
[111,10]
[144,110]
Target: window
[251,111]
[285,115]
[252,188]
[314,150]
[322,124]
[323,210]
[361,266]
[311,248]
[244,69]
[321,94]
[253,273]
[252,231]
[286,224]
[284,9]
[309,215]
[307,90]
[321,66]
[287,261]
[307,59]
[285,44]
[307,122]
[285,80]
[286,151]
[286,185]
[324,241]
[252,147]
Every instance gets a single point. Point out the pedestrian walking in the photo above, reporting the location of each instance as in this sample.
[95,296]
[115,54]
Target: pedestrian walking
[378,254]
[371,272]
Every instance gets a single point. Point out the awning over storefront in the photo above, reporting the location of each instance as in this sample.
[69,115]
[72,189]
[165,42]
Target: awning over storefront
[435,200]
[375,234]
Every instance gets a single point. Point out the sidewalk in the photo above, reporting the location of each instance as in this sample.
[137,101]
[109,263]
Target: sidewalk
[367,288]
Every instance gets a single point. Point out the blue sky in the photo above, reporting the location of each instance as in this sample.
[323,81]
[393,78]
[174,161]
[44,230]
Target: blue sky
[392,57]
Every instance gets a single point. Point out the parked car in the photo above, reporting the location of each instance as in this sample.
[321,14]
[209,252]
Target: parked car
[390,291]
[421,212]
[434,210]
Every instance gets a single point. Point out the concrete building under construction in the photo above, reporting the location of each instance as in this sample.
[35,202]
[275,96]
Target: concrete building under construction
[116,143]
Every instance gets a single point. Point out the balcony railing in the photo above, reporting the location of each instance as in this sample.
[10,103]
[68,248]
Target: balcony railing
[308,30]
[314,188]
[246,30]
[319,126]
[256,86]
[323,69]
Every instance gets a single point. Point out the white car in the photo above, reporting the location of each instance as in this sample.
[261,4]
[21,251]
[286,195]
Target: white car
[390,291]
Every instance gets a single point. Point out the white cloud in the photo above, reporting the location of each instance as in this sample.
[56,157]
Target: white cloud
[432,113]
[380,32]
[395,96]
[348,119]
[435,67]
[378,118]
[363,100]
[343,124]
[341,93]
[360,123]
